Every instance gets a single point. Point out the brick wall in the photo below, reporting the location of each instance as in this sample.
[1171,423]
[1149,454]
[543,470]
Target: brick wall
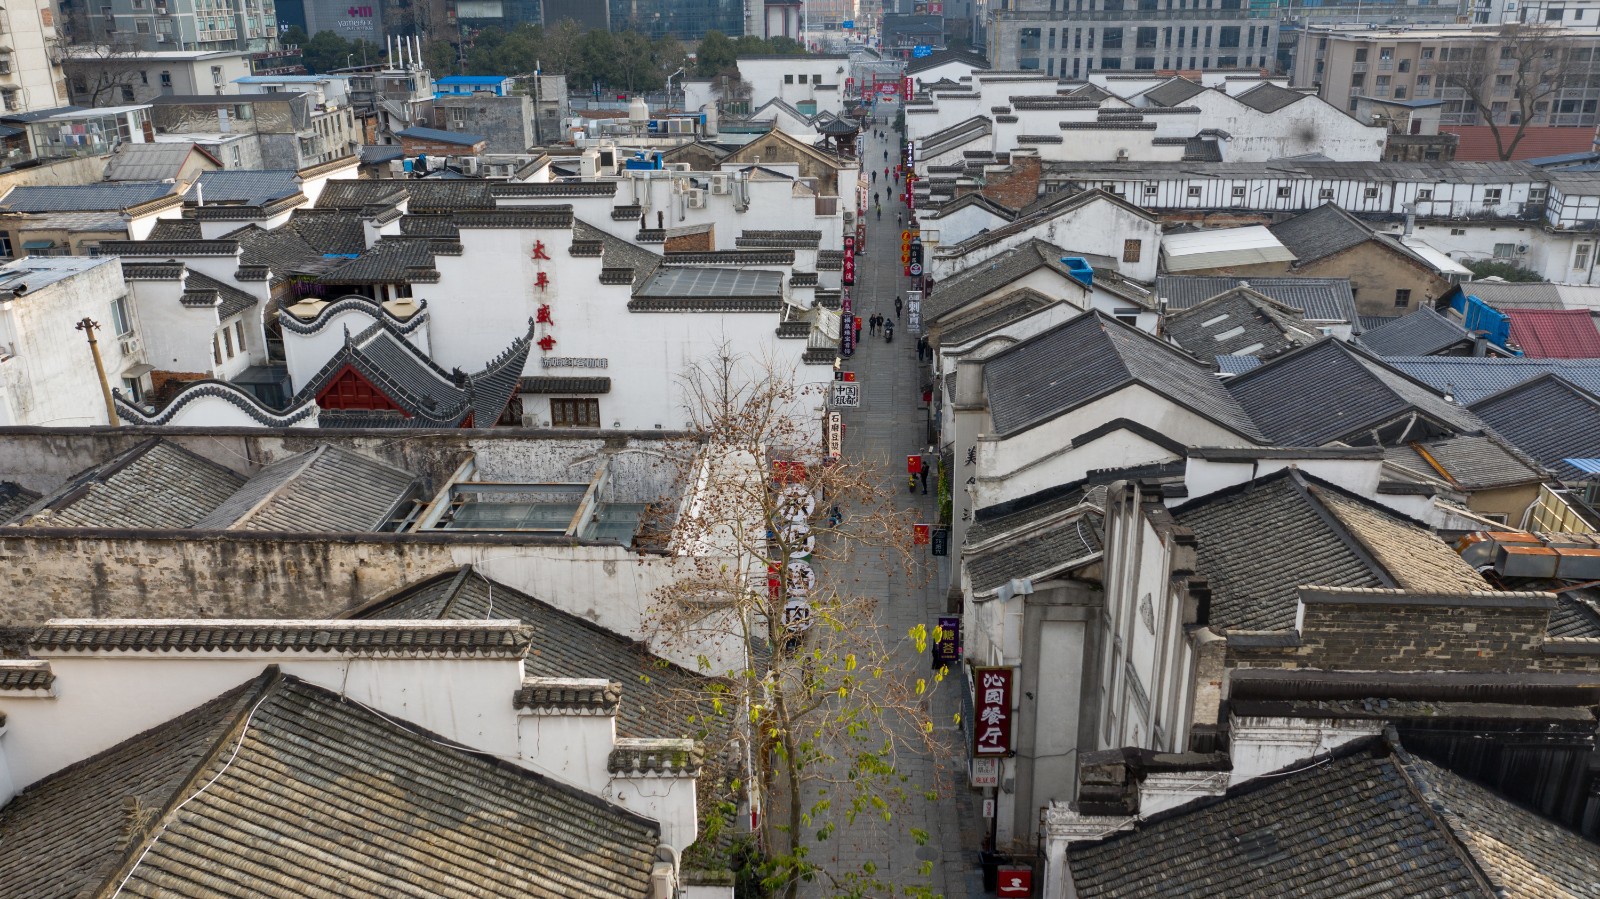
[1016,187]
[699,240]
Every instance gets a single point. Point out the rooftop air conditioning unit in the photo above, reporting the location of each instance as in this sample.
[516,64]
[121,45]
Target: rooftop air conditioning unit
[697,199]
[470,165]
[163,38]
[720,183]
[1522,248]
[679,167]
[129,344]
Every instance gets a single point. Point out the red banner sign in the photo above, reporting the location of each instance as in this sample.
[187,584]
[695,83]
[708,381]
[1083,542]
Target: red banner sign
[1014,881]
[849,260]
[906,87]
[991,729]
[921,534]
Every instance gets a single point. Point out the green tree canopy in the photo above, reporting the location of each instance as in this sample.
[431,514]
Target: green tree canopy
[326,51]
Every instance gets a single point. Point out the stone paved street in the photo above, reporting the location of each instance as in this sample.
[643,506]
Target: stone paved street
[889,425]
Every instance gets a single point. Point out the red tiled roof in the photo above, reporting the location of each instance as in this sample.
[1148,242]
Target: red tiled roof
[1554,333]
[1477,141]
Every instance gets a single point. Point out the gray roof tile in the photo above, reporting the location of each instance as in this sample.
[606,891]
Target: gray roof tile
[246,187]
[1476,463]
[148,162]
[105,197]
[1239,321]
[1091,356]
[387,798]
[157,484]
[1040,551]
[1258,543]
[1350,826]
[13,499]
[1321,299]
[1331,391]
[1269,98]
[1470,378]
[990,275]
[1175,92]
[1550,420]
[1515,295]
[659,699]
[1422,333]
[231,300]
[325,489]
[176,229]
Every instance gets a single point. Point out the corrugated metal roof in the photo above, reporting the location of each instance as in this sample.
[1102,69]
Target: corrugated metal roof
[1555,333]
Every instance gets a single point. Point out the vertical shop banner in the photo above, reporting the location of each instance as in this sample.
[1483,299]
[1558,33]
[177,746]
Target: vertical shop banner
[847,325]
[849,278]
[947,641]
[905,88]
[991,731]
[835,435]
[914,312]
[920,534]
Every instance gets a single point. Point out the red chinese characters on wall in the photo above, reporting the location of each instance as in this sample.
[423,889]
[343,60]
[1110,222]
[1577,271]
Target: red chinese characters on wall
[544,319]
[991,732]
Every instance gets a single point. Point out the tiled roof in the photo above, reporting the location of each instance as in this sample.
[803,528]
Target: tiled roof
[659,699]
[331,231]
[1322,299]
[248,187]
[1476,463]
[390,260]
[1549,419]
[1422,333]
[148,162]
[941,57]
[1575,615]
[1330,391]
[1008,309]
[157,484]
[1553,334]
[485,639]
[1258,543]
[1320,233]
[325,489]
[1472,378]
[558,384]
[1365,822]
[1239,321]
[440,136]
[617,253]
[230,300]
[994,274]
[428,395]
[1041,551]
[25,675]
[1514,294]
[1089,357]
[361,804]
[1173,92]
[1269,98]
[1476,142]
[104,197]
[13,499]
[175,229]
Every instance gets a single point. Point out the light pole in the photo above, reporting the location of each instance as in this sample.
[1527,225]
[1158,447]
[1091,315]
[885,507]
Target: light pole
[669,87]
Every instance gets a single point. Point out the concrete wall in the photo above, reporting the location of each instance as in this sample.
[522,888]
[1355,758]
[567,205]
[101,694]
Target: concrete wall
[1375,274]
[506,121]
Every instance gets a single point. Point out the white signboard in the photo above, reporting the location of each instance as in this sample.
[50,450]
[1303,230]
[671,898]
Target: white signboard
[986,772]
[797,615]
[914,310]
[847,393]
[835,434]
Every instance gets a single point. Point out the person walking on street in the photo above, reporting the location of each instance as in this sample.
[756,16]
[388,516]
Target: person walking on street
[897,305]
[880,212]
[923,474]
[858,330]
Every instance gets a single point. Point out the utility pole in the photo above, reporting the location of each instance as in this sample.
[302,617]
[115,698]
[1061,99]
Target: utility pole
[87,326]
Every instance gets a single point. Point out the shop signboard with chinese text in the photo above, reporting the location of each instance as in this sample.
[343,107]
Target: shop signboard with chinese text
[985,772]
[941,541]
[847,320]
[846,394]
[1015,882]
[947,641]
[849,260]
[914,312]
[835,435]
[991,727]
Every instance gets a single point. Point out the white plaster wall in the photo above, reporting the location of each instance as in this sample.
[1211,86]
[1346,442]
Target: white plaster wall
[1204,477]
[176,337]
[49,378]
[1097,228]
[963,223]
[765,77]
[464,700]
[215,412]
[1039,457]
[1260,746]
[305,354]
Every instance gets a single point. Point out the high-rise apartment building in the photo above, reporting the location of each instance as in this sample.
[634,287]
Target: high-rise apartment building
[245,25]
[1345,62]
[1070,38]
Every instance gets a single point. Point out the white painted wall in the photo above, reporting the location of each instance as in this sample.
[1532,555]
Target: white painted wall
[1099,227]
[766,75]
[305,354]
[102,699]
[47,376]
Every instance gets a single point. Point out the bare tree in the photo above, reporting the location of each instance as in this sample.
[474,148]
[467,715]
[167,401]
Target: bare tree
[1515,82]
[772,532]
[101,74]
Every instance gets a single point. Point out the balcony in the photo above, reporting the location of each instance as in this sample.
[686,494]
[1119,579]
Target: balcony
[1358,67]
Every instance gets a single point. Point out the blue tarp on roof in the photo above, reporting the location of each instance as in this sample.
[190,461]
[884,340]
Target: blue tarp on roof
[1587,466]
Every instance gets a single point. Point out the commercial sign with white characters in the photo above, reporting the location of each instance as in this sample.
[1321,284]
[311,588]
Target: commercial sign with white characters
[991,727]
[574,362]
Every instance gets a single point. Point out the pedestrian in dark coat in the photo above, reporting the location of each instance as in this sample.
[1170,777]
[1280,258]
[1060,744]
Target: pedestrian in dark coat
[898,303]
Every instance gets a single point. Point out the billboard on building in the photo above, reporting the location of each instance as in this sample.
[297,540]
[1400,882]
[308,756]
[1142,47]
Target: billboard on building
[352,21]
